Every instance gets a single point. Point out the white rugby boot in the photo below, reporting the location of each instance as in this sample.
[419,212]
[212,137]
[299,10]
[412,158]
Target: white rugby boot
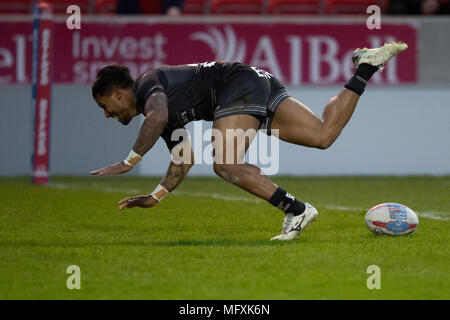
[294,225]
[378,56]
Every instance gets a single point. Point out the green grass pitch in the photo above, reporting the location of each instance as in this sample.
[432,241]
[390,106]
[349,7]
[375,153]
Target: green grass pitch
[210,240]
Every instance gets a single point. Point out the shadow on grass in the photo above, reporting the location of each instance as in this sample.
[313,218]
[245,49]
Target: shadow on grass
[179,243]
[223,243]
[175,243]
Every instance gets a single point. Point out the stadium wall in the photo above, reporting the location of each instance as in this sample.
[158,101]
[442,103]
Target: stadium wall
[397,129]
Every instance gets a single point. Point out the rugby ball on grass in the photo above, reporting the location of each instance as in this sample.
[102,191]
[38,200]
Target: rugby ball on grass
[392,219]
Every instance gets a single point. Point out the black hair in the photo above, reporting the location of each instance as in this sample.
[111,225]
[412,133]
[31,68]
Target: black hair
[110,77]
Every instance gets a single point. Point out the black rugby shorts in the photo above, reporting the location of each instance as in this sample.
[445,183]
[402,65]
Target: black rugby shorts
[250,91]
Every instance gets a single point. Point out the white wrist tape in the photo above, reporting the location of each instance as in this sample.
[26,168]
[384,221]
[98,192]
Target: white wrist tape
[132,158]
[159,193]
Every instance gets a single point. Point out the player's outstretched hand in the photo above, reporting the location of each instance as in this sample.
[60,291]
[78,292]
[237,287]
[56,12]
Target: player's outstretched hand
[138,201]
[116,168]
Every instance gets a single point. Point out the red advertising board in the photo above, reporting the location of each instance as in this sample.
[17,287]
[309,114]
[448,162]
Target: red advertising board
[296,53]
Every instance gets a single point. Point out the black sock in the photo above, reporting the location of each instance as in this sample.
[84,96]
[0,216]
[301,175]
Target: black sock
[286,202]
[366,71]
[358,82]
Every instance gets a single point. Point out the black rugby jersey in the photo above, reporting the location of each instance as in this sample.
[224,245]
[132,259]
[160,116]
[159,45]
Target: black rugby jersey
[208,91]
[190,91]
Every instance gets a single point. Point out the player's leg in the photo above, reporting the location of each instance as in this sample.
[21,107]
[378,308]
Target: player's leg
[297,124]
[232,136]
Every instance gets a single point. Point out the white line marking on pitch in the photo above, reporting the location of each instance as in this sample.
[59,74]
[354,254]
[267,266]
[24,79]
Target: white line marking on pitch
[434,215]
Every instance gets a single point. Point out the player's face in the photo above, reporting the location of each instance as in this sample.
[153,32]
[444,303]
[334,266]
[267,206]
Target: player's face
[117,106]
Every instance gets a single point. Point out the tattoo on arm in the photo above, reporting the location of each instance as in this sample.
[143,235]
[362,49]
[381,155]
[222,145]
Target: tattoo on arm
[154,123]
[175,174]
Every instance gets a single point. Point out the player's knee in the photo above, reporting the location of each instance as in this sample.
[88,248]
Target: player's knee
[325,142]
[324,145]
[226,171]
[222,170]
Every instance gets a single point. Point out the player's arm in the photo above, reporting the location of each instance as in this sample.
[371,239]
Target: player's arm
[177,171]
[155,120]
[175,175]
